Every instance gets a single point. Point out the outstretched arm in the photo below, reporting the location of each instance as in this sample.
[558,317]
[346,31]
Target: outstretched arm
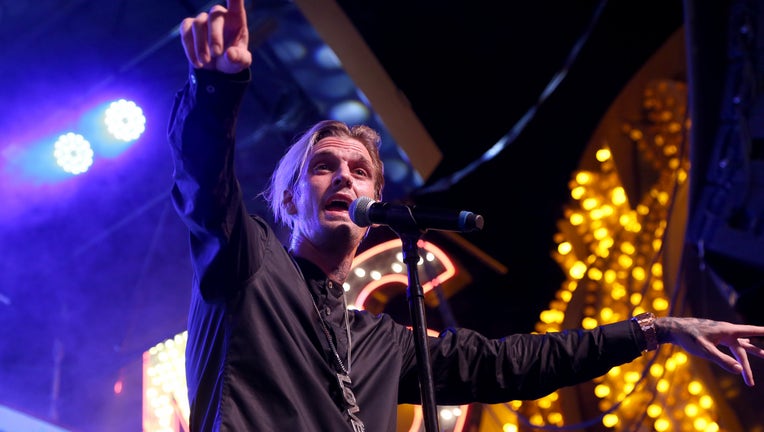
[703,337]
[218,40]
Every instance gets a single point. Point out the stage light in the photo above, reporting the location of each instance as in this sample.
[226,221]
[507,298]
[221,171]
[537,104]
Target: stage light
[125,120]
[73,153]
[350,111]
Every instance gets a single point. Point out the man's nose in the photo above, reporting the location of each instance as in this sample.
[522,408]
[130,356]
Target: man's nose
[343,178]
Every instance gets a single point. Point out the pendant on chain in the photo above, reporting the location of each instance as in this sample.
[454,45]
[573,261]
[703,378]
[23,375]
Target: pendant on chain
[347,393]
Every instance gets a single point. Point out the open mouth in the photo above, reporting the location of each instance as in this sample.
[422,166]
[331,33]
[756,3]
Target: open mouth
[337,205]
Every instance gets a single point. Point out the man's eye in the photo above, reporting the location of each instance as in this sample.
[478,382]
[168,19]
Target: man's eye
[361,172]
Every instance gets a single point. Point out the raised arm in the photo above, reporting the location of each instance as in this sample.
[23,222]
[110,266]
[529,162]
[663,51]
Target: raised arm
[218,39]
[202,134]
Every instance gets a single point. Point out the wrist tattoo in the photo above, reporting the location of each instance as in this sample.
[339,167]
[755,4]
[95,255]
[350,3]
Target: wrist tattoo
[666,327]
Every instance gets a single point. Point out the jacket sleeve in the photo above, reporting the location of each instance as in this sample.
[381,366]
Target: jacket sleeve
[205,192]
[468,367]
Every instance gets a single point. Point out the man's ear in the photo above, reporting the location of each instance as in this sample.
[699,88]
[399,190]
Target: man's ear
[288,203]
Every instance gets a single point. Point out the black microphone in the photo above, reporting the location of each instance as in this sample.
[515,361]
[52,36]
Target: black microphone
[364,211]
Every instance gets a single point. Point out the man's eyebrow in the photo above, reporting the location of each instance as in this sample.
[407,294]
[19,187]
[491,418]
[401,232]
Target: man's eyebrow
[366,161]
[320,154]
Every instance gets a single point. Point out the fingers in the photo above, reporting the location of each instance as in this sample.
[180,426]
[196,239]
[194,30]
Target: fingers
[722,359]
[236,59]
[740,350]
[751,348]
[745,366]
[193,35]
[747,330]
[216,27]
[703,338]
[217,39]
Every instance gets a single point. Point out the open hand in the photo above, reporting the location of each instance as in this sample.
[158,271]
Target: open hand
[702,338]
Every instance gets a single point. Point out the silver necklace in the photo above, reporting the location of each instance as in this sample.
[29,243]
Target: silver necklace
[343,378]
[325,328]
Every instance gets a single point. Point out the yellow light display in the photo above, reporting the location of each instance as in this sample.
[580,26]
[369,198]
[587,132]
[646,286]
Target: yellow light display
[165,399]
[617,257]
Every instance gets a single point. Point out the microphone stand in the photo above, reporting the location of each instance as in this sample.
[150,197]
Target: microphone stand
[415,295]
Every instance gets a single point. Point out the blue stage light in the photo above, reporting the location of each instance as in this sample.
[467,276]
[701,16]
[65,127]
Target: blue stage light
[125,120]
[73,153]
[350,111]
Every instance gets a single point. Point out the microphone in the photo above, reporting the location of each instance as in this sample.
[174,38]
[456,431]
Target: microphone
[364,211]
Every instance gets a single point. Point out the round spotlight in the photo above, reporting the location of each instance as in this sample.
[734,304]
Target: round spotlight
[125,120]
[73,153]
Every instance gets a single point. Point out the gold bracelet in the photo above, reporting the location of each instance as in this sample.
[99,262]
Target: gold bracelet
[646,322]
